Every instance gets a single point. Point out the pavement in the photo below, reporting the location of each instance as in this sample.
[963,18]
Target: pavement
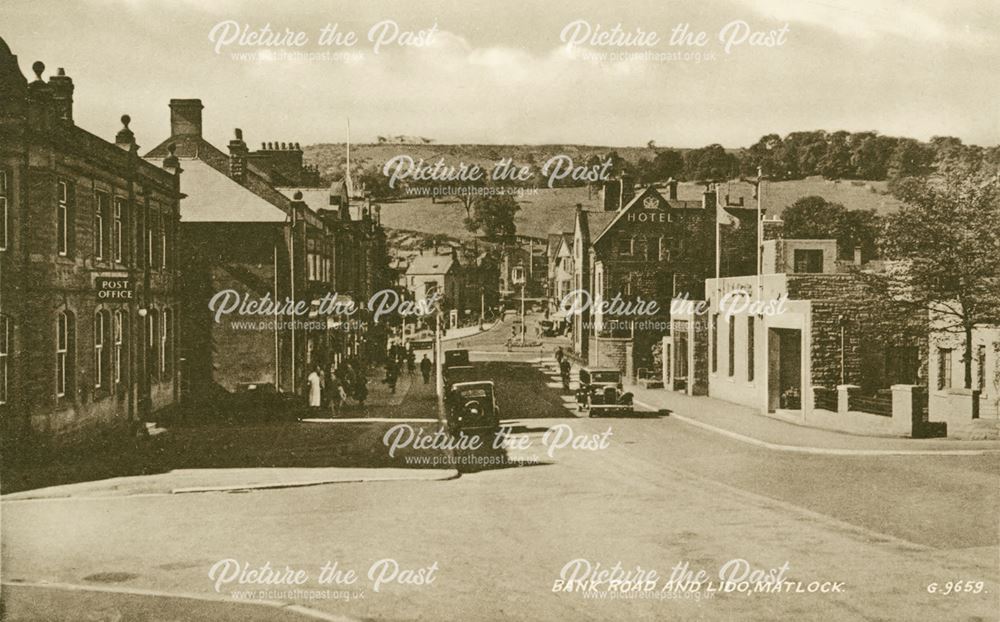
[661,494]
[734,419]
[747,425]
[181,481]
[217,456]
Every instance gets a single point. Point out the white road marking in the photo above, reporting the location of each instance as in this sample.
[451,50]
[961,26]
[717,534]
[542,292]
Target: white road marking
[370,420]
[823,450]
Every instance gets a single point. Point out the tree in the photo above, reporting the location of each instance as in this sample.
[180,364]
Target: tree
[493,216]
[910,158]
[815,218]
[711,162]
[836,162]
[944,243]
[666,165]
[377,183]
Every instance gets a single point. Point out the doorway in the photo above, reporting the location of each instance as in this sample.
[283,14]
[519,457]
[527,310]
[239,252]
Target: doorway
[784,366]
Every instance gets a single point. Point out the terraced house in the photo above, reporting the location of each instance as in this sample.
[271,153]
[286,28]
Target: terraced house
[88,270]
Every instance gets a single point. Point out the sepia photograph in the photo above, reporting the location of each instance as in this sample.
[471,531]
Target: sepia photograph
[465,311]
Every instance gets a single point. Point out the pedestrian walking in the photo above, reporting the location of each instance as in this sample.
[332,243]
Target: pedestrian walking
[564,368]
[425,369]
[315,381]
[392,375]
[336,395]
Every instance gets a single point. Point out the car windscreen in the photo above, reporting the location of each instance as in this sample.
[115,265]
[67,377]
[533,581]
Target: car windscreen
[604,376]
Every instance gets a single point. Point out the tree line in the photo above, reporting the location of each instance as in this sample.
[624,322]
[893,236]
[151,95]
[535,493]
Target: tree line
[834,155]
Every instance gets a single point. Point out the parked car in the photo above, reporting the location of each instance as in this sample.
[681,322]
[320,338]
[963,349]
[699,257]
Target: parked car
[601,392]
[472,409]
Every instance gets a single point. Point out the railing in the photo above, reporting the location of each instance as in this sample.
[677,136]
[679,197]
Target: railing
[874,405]
[825,399]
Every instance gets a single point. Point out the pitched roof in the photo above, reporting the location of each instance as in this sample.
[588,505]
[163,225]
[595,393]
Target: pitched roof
[556,240]
[649,191]
[597,222]
[430,264]
[197,148]
[215,197]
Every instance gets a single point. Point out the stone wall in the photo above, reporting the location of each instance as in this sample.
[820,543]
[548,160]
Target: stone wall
[609,352]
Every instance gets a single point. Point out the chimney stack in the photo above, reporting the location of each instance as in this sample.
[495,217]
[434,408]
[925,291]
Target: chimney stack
[672,189]
[185,117]
[62,95]
[708,197]
[238,157]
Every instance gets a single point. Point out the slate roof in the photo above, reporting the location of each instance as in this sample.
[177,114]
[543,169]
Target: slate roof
[214,197]
[430,264]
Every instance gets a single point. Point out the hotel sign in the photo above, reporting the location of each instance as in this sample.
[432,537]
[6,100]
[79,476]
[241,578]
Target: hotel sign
[113,288]
[651,212]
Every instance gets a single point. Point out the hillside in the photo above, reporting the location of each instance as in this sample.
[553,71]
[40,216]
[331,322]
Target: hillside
[551,210]
[330,157]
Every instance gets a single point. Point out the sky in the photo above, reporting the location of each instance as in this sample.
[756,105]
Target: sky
[520,72]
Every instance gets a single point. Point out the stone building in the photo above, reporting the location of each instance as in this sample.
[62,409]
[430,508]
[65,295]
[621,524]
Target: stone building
[360,261]
[240,233]
[971,412]
[442,274]
[587,225]
[524,256]
[655,248]
[559,260]
[788,341]
[89,306]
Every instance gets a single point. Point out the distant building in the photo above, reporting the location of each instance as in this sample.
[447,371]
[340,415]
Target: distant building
[440,274]
[89,302]
[559,264]
[524,257]
[586,227]
[950,400]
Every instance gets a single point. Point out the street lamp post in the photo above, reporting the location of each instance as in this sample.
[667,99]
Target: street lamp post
[438,350]
[517,278]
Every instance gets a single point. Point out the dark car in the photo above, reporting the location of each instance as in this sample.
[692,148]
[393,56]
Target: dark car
[601,392]
[472,409]
[456,358]
[459,373]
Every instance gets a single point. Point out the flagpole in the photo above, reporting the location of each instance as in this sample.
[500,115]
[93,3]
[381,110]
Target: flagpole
[760,234]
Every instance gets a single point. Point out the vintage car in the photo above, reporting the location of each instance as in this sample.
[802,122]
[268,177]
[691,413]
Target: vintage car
[456,358]
[472,408]
[460,373]
[552,328]
[600,392]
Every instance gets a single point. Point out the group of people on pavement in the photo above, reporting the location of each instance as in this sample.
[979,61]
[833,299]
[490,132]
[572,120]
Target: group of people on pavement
[331,387]
[398,357]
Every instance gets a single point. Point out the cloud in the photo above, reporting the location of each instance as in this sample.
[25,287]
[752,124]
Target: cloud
[929,21]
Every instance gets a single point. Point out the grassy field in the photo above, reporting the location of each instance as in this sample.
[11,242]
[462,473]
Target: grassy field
[330,157]
[552,210]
